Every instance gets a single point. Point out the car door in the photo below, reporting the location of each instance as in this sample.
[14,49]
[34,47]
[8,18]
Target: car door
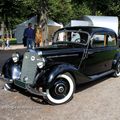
[101,54]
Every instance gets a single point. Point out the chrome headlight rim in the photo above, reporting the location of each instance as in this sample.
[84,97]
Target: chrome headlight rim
[15,57]
[41,63]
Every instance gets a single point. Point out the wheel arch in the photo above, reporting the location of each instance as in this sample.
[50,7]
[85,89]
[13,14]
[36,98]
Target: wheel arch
[115,61]
[48,76]
[68,69]
[60,69]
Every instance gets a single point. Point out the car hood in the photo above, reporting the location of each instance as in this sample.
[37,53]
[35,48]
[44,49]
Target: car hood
[52,51]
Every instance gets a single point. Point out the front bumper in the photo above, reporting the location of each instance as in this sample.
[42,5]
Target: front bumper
[25,86]
[29,88]
[35,92]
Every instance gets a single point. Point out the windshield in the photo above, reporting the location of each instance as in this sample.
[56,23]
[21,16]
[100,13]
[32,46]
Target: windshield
[80,37]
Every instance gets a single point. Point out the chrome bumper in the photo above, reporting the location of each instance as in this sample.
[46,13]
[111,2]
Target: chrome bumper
[34,92]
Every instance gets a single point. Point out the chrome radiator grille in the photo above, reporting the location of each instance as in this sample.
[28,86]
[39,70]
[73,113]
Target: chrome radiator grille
[29,67]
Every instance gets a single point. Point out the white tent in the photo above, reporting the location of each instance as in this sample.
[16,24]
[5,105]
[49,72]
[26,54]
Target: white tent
[78,23]
[103,21]
[51,28]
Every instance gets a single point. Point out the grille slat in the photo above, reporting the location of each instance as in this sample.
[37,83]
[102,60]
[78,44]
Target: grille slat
[29,67]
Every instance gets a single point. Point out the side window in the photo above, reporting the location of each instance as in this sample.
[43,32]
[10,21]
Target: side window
[103,40]
[111,40]
[98,40]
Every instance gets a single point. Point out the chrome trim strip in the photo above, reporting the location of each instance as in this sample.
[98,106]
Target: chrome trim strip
[57,56]
[40,53]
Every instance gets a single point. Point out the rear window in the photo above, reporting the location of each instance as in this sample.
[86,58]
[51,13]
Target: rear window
[103,39]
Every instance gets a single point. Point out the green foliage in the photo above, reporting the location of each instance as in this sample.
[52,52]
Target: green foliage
[13,12]
[60,10]
[80,10]
[10,9]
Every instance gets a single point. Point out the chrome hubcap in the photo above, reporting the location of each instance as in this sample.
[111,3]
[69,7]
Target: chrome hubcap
[59,88]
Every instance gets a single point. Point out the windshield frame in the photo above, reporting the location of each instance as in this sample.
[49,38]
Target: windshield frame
[55,36]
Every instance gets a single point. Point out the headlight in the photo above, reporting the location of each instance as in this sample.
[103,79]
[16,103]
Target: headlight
[15,57]
[41,63]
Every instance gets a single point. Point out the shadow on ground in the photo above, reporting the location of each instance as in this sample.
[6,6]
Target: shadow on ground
[85,86]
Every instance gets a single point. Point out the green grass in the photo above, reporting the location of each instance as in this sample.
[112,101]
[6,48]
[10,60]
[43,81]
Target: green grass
[13,41]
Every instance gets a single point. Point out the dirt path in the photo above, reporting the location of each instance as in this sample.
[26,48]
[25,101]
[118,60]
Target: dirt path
[97,102]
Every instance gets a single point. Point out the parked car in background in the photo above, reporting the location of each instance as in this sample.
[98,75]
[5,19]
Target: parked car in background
[76,56]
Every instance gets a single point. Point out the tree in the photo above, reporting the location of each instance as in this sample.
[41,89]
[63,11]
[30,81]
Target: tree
[80,9]
[60,10]
[13,12]
[9,10]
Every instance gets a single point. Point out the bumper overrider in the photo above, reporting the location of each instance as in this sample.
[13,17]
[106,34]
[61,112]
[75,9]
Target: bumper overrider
[35,92]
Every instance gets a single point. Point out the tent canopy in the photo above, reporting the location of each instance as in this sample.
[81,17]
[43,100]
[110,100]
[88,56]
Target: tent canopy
[103,21]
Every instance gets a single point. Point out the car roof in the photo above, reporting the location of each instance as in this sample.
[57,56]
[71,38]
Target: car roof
[89,29]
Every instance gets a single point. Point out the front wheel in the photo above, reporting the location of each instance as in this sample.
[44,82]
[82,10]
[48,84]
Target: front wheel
[62,89]
[117,71]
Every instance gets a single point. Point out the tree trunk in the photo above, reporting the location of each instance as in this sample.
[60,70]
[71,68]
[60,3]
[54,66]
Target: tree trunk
[42,19]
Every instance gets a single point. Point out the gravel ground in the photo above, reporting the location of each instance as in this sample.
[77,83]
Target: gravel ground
[99,100]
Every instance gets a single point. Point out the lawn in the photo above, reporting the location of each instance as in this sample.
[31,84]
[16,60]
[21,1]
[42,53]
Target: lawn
[13,41]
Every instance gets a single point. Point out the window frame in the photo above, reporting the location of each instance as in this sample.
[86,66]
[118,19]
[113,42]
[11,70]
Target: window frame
[105,42]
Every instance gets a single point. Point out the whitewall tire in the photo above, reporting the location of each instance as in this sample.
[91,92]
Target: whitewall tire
[62,90]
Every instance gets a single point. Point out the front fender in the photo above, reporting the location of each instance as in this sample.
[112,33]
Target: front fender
[66,68]
[11,70]
[59,69]
[6,69]
[46,78]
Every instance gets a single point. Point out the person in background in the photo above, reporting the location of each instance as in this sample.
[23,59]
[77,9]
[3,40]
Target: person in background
[29,34]
[38,36]
[8,41]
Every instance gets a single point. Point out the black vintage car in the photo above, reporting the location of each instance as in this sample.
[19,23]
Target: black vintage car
[77,55]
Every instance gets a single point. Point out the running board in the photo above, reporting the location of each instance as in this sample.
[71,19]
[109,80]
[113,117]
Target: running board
[94,77]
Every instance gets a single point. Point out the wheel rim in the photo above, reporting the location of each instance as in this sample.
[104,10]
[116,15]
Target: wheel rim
[62,90]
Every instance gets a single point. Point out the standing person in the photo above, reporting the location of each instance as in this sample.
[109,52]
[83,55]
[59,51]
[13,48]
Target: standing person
[8,41]
[29,33]
[38,36]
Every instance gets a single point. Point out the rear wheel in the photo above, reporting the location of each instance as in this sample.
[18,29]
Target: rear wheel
[62,89]
[117,71]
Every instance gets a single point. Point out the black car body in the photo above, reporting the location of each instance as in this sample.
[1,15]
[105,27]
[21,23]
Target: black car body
[77,55]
